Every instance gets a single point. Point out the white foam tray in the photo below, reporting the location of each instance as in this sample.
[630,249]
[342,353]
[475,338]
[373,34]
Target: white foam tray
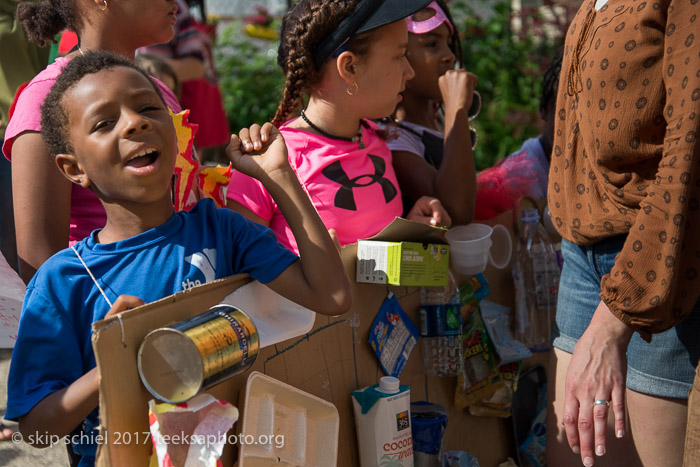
[308,424]
[276,318]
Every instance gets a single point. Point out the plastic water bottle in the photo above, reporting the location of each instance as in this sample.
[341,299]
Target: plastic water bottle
[536,277]
[441,330]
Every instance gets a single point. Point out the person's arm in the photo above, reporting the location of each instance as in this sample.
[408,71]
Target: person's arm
[245,212]
[654,281]
[317,281]
[454,183]
[42,203]
[596,372]
[62,411]
[186,68]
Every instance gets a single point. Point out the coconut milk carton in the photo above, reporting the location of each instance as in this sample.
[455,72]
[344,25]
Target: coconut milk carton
[383,420]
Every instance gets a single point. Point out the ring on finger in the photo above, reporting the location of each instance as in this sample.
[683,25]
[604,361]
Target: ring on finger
[602,402]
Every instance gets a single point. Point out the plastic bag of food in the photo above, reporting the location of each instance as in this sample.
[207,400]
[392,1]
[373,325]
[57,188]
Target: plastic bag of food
[500,402]
[392,336]
[479,377]
[191,433]
[497,321]
[534,448]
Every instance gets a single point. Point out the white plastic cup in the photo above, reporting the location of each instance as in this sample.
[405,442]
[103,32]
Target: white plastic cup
[474,246]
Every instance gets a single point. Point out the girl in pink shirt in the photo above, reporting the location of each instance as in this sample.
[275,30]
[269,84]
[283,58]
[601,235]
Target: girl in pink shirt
[49,211]
[350,57]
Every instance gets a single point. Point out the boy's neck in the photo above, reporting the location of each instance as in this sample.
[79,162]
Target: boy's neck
[417,110]
[126,221]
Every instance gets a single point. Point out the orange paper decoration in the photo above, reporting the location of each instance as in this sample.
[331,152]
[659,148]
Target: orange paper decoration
[186,166]
[213,182]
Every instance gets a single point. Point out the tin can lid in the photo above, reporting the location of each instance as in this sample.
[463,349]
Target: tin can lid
[170,365]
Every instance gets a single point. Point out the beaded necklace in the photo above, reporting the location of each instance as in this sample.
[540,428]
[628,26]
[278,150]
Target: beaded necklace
[357,138]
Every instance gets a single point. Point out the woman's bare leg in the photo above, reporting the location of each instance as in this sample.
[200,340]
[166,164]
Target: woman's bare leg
[657,428]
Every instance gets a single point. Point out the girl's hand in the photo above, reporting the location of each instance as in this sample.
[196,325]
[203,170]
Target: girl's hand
[457,89]
[428,210]
[258,151]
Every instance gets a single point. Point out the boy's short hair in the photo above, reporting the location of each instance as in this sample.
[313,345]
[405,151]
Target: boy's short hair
[54,119]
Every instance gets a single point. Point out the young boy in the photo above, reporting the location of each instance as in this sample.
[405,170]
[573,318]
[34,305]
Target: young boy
[109,130]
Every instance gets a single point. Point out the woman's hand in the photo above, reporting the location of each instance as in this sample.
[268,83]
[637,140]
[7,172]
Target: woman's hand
[596,373]
[428,210]
[258,151]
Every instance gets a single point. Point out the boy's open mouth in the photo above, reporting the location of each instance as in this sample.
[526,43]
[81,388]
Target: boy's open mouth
[143,159]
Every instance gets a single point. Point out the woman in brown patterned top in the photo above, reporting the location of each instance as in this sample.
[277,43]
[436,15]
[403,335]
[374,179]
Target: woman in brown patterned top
[624,192]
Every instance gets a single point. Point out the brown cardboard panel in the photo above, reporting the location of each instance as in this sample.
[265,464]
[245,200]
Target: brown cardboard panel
[330,362]
[123,399]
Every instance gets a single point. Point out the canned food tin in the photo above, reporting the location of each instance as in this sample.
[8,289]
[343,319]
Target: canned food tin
[178,361]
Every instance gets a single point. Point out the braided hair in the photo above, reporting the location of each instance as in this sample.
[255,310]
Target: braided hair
[550,81]
[303,29]
[43,20]
[54,118]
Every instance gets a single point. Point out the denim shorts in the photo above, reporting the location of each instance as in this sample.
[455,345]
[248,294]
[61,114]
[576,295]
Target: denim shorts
[666,366]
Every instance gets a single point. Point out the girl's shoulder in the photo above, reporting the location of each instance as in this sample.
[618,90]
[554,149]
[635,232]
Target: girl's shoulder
[26,108]
[47,76]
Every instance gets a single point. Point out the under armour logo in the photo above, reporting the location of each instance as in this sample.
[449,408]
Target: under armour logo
[344,198]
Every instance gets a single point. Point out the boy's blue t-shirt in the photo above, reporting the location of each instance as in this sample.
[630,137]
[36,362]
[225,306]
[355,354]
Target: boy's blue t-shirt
[54,346]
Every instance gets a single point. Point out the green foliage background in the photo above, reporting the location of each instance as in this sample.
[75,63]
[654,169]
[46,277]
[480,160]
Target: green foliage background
[509,65]
[250,80]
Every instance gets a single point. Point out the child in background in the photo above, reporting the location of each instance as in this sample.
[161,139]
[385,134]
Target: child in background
[526,171]
[190,54]
[51,213]
[109,129]
[428,161]
[161,70]
[350,57]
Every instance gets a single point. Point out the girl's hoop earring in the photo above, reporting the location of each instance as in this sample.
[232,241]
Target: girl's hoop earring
[474,136]
[104,5]
[352,91]
[475,108]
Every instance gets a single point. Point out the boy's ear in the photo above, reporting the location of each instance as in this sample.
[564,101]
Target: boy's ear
[347,64]
[71,168]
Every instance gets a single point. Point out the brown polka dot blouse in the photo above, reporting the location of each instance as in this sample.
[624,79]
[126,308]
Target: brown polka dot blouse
[625,157]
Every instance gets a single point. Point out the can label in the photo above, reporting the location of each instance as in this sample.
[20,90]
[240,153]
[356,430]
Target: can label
[177,362]
[226,339]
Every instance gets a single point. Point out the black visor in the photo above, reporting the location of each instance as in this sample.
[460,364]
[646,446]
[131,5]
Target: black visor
[367,15]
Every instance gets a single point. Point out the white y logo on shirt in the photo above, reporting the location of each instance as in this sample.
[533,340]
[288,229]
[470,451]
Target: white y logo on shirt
[205,262]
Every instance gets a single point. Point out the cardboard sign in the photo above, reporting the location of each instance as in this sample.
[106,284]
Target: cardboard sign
[12,291]
[330,361]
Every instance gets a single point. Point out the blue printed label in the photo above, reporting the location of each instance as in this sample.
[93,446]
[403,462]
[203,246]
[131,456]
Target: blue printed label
[440,320]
